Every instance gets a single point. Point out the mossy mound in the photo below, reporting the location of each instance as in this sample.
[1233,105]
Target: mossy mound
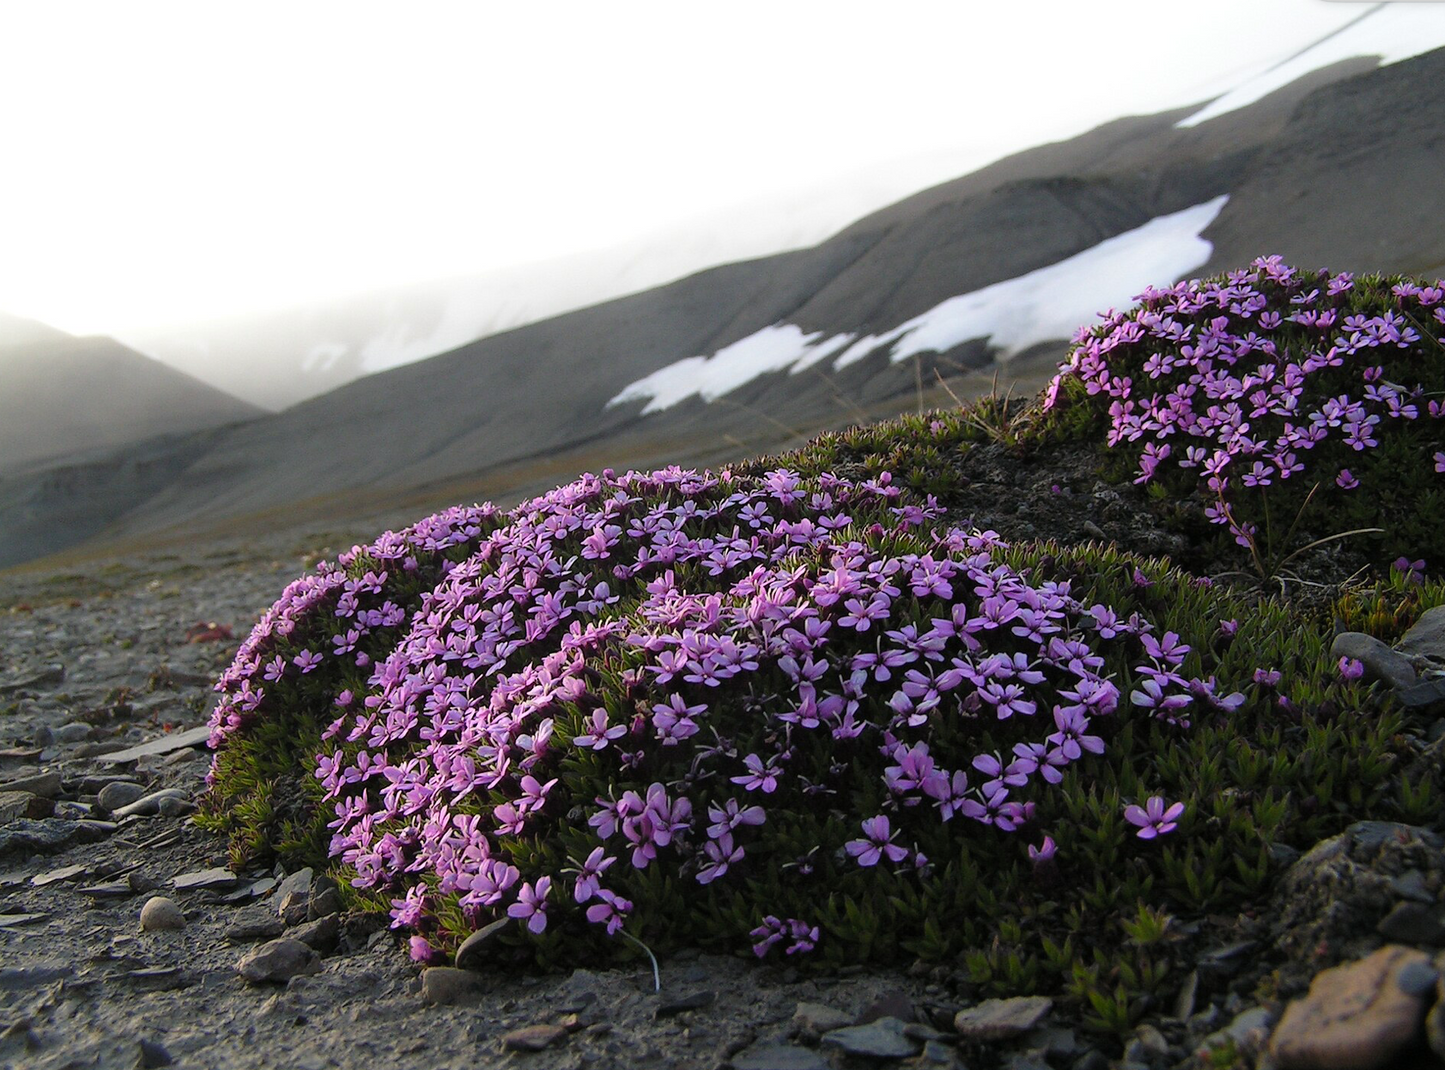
[1282,406]
[800,714]
[797,708]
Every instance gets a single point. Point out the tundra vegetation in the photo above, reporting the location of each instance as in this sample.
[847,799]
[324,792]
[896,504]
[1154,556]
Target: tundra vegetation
[805,709]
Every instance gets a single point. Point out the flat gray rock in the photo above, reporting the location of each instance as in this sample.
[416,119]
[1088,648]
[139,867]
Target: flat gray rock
[815,1019]
[44,678]
[45,834]
[191,737]
[217,878]
[46,785]
[999,1019]
[445,985]
[52,876]
[880,1039]
[779,1057]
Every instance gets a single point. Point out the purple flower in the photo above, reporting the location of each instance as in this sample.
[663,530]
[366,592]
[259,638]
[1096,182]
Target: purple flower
[1044,852]
[730,815]
[611,911]
[720,853]
[1413,571]
[879,842]
[1153,818]
[532,904]
[1351,668]
[758,777]
[599,733]
[589,874]
[767,934]
[306,661]
[804,936]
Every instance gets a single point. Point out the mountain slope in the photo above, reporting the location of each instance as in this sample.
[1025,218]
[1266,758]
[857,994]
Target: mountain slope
[1333,170]
[61,396]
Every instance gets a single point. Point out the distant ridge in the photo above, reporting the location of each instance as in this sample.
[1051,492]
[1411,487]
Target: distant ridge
[62,396]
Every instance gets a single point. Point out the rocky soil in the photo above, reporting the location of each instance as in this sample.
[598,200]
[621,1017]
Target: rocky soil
[125,941]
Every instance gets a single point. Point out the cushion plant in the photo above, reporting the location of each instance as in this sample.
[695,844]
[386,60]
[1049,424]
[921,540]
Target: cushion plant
[1274,398]
[806,716]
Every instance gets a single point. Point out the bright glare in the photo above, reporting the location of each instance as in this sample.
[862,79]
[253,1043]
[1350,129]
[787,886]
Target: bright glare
[170,162]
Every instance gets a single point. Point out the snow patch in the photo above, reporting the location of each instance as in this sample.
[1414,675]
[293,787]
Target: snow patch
[1393,32]
[1013,315]
[323,357]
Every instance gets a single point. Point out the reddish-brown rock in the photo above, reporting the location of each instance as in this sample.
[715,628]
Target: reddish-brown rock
[1355,1016]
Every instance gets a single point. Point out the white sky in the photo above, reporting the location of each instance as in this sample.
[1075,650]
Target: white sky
[165,162]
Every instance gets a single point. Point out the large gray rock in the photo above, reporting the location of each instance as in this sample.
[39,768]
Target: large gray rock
[22,804]
[49,834]
[1426,638]
[322,935]
[293,896]
[475,951]
[150,804]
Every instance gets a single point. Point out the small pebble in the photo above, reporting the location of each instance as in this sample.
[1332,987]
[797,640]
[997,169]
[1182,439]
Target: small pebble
[445,985]
[153,1055]
[691,1002]
[119,793]
[161,914]
[533,1037]
[278,960]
